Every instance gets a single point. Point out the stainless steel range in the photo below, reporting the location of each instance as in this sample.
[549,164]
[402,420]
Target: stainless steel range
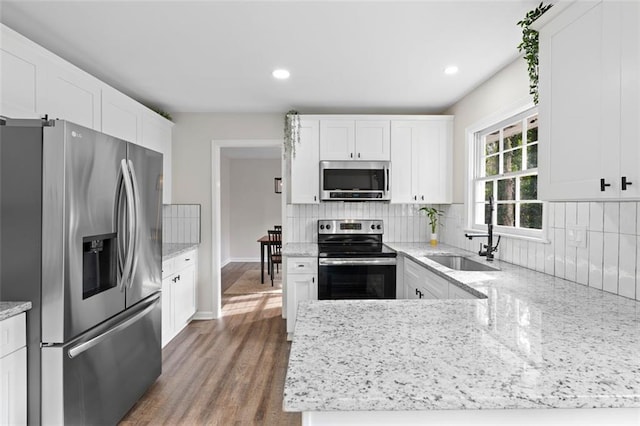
[353,263]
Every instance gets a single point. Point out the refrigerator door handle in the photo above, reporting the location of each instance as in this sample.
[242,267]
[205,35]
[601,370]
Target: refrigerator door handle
[136,231]
[85,346]
[128,186]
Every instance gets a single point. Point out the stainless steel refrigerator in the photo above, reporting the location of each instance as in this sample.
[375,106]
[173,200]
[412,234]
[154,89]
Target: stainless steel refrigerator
[81,238]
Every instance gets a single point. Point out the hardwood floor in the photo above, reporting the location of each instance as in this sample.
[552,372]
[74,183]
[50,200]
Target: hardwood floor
[228,371]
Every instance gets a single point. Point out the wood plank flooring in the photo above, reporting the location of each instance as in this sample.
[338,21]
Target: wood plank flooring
[228,371]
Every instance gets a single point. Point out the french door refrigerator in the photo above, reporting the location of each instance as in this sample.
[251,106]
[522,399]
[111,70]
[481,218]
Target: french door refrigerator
[80,237]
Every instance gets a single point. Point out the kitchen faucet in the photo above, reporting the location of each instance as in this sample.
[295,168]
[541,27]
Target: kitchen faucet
[489,248]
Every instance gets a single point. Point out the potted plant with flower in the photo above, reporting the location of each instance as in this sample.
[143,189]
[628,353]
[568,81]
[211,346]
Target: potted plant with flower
[433,214]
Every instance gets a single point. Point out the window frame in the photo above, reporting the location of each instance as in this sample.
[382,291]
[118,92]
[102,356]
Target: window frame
[475,166]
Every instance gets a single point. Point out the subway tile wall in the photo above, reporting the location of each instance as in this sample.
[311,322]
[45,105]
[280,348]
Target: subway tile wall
[610,261]
[403,222]
[181,223]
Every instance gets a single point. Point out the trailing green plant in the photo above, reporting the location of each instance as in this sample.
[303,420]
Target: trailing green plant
[161,113]
[432,214]
[529,45]
[291,133]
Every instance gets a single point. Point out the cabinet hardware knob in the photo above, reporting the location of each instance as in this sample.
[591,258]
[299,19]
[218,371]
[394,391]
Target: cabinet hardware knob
[417,291]
[422,198]
[415,197]
[351,155]
[313,279]
[625,182]
[603,185]
[187,259]
[358,155]
[315,198]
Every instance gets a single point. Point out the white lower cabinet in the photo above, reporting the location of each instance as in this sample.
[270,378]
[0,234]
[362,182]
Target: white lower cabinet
[178,293]
[13,371]
[302,284]
[420,283]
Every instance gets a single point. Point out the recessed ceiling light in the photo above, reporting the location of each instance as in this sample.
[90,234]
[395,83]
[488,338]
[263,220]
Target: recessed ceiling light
[281,74]
[451,69]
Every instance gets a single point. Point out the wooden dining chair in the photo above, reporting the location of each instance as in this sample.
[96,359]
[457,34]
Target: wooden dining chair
[275,250]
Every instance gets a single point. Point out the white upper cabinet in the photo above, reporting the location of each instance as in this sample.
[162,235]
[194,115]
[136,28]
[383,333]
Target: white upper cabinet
[19,71]
[421,160]
[304,184]
[589,103]
[347,139]
[156,135]
[121,116]
[71,94]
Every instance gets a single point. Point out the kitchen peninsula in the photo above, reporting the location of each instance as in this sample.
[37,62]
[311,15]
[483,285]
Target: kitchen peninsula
[535,342]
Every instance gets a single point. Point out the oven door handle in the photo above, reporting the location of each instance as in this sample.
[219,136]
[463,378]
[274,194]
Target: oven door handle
[357,262]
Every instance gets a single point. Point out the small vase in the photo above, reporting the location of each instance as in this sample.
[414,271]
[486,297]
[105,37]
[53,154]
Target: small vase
[434,239]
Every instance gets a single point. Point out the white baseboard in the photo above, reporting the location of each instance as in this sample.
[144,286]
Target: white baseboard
[203,315]
[225,263]
[245,259]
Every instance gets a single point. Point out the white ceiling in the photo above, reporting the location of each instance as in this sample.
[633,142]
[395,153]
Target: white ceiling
[217,56]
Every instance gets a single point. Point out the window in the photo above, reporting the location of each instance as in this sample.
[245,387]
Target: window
[506,168]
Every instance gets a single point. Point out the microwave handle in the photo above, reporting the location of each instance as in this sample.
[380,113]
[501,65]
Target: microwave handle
[387,179]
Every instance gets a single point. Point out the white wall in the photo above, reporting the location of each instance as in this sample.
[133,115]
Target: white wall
[506,88]
[254,205]
[192,137]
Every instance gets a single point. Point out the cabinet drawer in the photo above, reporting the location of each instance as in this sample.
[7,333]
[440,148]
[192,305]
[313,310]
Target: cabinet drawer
[184,260]
[13,334]
[302,265]
[167,267]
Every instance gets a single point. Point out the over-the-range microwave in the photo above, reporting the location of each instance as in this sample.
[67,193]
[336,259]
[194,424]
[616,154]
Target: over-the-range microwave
[355,180]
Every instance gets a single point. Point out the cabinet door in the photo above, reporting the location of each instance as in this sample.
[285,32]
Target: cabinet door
[184,296]
[156,135]
[373,140]
[72,95]
[456,292]
[432,157]
[20,68]
[13,383]
[630,102]
[337,140]
[403,134]
[305,166]
[579,104]
[121,116]
[301,287]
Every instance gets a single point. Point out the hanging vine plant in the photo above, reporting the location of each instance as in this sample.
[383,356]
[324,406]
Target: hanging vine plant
[529,45]
[291,133]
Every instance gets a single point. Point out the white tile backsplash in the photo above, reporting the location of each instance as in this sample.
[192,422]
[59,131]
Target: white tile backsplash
[181,223]
[610,261]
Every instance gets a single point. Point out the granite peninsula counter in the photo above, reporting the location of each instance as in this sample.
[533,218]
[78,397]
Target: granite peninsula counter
[536,341]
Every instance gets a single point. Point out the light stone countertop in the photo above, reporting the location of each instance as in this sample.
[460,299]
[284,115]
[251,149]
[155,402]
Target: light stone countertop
[10,309]
[300,249]
[170,250]
[536,342]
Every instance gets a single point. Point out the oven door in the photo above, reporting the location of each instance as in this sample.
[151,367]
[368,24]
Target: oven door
[356,278]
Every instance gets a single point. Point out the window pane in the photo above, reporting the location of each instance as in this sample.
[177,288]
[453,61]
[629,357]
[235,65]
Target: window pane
[491,145]
[532,129]
[491,165]
[507,189]
[531,215]
[506,214]
[488,190]
[512,136]
[532,156]
[513,160]
[529,188]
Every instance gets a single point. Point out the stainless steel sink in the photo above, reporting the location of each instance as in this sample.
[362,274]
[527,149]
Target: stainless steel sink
[461,263]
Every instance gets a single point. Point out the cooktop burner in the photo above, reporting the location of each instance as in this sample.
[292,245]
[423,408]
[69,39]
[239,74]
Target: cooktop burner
[352,238]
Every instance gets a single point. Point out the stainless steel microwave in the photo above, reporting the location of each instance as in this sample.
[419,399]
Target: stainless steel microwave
[355,180]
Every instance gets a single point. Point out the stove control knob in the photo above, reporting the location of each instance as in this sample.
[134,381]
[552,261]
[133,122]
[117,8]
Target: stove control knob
[379,226]
[321,226]
[328,226]
[373,227]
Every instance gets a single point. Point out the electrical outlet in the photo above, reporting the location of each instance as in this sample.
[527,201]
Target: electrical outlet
[577,236]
